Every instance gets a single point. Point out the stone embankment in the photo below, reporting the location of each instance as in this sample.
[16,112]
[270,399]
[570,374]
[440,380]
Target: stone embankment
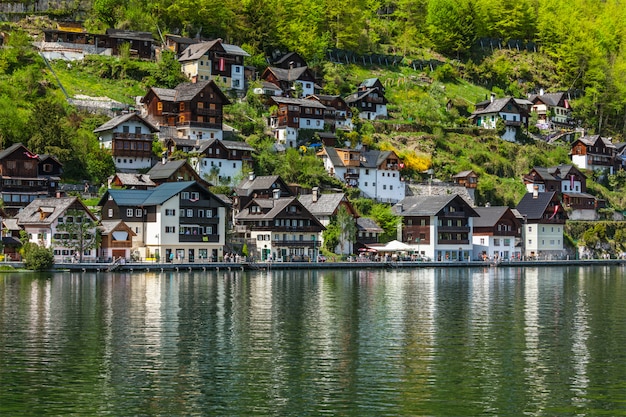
[248,266]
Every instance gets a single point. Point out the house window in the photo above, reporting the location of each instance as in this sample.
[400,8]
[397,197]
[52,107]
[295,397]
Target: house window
[129,212]
[496,242]
[137,212]
[184,195]
[170,229]
[209,213]
[189,212]
[182,106]
[47,167]
[482,240]
[195,196]
[160,106]
[170,212]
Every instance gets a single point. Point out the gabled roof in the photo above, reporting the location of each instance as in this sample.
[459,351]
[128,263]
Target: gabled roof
[271,208]
[44,211]
[591,140]
[132,179]
[162,171]
[247,186]
[360,95]
[497,106]
[126,198]
[109,226]
[187,91]
[464,174]
[550,99]
[534,207]
[227,144]
[326,204]
[429,205]
[298,102]
[8,151]
[292,74]
[374,158]
[369,82]
[289,56]
[197,50]
[166,191]
[489,216]
[368,225]
[334,157]
[143,198]
[118,120]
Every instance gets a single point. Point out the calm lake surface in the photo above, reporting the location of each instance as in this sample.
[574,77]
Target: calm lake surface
[458,342]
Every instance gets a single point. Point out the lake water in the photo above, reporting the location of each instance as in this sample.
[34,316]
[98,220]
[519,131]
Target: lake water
[458,342]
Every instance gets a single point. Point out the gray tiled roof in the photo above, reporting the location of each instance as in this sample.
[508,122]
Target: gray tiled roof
[118,120]
[489,216]
[197,50]
[8,151]
[299,102]
[288,74]
[533,208]
[31,214]
[132,179]
[368,225]
[326,204]
[165,170]
[428,205]
[495,106]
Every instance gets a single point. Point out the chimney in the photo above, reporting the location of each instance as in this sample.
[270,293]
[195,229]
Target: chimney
[493,96]
[251,176]
[541,91]
[276,193]
[316,194]
[536,191]
[400,207]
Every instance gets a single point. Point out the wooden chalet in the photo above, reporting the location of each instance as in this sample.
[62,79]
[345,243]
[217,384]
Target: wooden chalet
[25,177]
[188,105]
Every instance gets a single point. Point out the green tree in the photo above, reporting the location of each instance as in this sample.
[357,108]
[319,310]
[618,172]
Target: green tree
[347,227]
[388,221]
[451,25]
[78,232]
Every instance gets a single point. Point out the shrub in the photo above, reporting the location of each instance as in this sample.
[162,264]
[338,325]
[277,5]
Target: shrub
[38,258]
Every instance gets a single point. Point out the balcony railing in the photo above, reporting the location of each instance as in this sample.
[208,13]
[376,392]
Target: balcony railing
[199,238]
[133,136]
[120,244]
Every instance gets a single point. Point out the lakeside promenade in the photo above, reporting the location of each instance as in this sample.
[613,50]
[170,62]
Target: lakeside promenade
[248,266]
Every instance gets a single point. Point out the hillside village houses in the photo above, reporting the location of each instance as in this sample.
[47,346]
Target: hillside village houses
[165,210]
[375,173]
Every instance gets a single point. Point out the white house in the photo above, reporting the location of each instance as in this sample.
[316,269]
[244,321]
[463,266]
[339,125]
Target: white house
[438,227]
[496,234]
[41,220]
[376,173]
[179,221]
[544,223]
[511,111]
[129,137]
